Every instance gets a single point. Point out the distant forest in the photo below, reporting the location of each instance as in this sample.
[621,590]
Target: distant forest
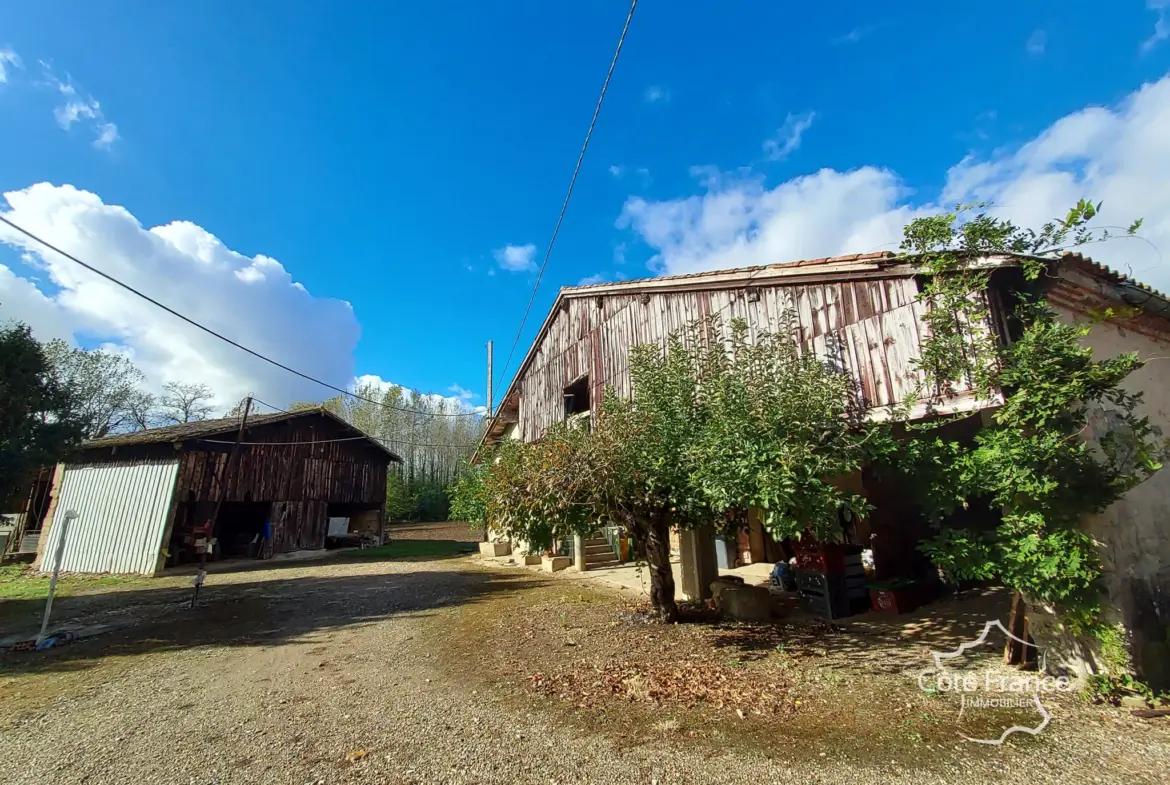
[55,396]
[434,447]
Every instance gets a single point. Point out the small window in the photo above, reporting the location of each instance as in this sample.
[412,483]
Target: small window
[577,397]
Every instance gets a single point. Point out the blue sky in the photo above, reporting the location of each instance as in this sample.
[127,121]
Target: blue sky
[388,154]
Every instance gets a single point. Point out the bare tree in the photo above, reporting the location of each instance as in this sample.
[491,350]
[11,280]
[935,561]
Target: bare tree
[185,402]
[141,411]
[102,386]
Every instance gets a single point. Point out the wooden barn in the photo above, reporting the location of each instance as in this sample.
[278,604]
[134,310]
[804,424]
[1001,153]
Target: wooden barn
[142,497]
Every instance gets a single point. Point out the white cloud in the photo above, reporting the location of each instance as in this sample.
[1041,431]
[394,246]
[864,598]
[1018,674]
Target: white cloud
[250,299]
[589,280]
[655,95]
[855,35]
[73,111]
[461,393]
[1036,43]
[1161,24]
[107,134]
[516,258]
[8,58]
[787,139]
[1119,155]
[80,107]
[371,380]
[620,171]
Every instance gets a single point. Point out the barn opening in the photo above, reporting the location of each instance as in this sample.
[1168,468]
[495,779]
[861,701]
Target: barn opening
[577,397]
[242,528]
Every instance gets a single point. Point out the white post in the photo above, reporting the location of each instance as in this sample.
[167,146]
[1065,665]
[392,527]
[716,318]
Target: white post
[69,516]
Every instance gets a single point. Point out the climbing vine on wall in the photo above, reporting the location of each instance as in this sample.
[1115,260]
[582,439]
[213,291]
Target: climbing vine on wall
[1033,463]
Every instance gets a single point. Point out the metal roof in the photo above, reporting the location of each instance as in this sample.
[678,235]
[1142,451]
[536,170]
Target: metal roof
[224,426]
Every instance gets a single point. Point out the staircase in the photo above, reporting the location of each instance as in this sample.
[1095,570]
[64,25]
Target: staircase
[599,554]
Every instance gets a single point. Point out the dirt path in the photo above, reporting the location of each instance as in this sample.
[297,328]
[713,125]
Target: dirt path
[369,672]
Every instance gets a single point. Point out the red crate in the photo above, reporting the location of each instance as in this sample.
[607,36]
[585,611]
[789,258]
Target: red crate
[826,557]
[901,599]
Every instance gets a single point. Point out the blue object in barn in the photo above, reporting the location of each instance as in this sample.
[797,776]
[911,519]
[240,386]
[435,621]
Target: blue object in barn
[783,575]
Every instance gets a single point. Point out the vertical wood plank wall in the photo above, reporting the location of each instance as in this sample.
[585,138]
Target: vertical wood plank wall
[869,328]
[301,478]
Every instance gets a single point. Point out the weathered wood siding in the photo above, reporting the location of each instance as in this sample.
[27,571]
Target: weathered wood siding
[345,472]
[868,327]
[298,526]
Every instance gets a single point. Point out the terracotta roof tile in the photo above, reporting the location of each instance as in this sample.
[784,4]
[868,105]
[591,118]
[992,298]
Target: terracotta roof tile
[1112,275]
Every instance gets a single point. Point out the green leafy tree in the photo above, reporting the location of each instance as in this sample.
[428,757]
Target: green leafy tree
[779,426]
[1033,465]
[468,500]
[400,502]
[538,492]
[712,428]
[38,420]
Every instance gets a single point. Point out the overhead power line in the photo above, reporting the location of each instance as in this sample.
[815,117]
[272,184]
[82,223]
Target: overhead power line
[270,406]
[384,442]
[223,337]
[572,182]
[380,440]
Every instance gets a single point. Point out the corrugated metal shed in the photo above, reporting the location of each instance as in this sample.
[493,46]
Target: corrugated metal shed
[122,514]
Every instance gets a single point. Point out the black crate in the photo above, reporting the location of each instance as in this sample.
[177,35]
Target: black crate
[821,583]
[827,606]
[831,596]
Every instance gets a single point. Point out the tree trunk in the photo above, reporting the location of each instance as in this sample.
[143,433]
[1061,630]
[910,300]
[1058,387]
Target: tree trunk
[657,550]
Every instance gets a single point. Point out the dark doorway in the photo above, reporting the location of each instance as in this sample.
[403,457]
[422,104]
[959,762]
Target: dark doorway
[241,529]
[577,397]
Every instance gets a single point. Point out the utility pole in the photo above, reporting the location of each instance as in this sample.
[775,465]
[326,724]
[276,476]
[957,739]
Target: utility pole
[209,526]
[489,389]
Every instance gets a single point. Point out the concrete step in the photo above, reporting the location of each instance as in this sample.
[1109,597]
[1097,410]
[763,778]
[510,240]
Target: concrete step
[603,548]
[602,565]
[596,541]
[594,558]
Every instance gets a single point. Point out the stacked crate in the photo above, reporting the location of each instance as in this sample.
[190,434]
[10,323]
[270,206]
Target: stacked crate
[831,580]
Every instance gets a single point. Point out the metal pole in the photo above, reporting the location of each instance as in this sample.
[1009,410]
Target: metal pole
[60,554]
[202,574]
[488,421]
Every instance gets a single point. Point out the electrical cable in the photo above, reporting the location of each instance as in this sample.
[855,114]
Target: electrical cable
[379,440]
[572,184]
[220,336]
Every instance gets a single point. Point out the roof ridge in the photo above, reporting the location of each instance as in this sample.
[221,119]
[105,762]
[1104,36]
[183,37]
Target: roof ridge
[823,261]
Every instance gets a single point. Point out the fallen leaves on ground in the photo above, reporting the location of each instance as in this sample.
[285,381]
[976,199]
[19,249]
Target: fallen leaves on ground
[687,683]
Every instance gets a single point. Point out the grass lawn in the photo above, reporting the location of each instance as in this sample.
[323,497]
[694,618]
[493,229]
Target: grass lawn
[18,582]
[414,549]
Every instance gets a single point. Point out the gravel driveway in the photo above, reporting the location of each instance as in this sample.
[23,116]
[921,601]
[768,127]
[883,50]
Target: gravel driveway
[342,672]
